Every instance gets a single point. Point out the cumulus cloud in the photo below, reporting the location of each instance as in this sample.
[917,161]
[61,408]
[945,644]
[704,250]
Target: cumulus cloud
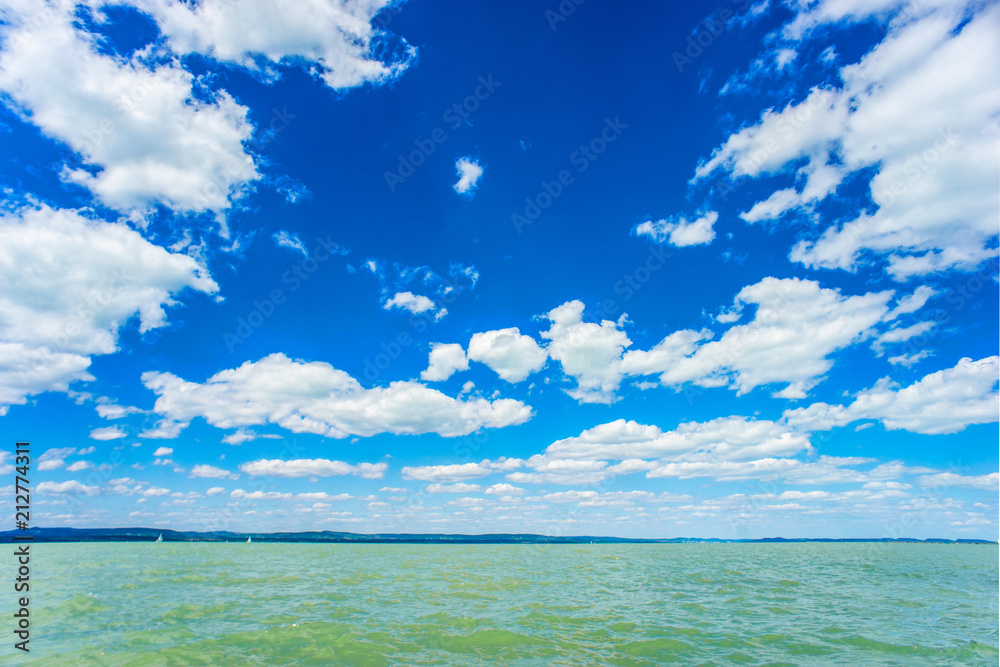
[946,401]
[457,472]
[246,435]
[208,472]
[415,303]
[71,487]
[944,479]
[107,433]
[824,470]
[733,438]
[313,468]
[911,303]
[163,451]
[315,397]
[458,487]
[444,360]
[50,326]
[115,411]
[53,459]
[596,499]
[587,351]
[512,355]
[916,112]
[398,284]
[504,489]
[547,470]
[324,496]
[240,494]
[336,39]
[679,231]
[797,326]
[469,171]
[901,334]
[143,135]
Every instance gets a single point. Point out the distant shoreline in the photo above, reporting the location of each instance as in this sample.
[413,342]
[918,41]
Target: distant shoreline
[38,535]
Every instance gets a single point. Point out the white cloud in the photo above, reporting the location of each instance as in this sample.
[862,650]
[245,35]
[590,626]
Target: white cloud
[457,472]
[588,352]
[50,326]
[569,496]
[246,435]
[53,459]
[444,360]
[401,281]
[911,303]
[336,39]
[943,479]
[943,402]
[731,438]
[469,172]
[26,370]
[562,471]
[324,496]
[617,499]
[511,354]
[107,433]
[115,411]
[670,353]
[315,397]
[819,181]
[504,489]
[898,486]
[78,466]
[163,451]
[824,470]
[71,487]
[144,136]
[629,466]
[291,241]
[215,491]
[240,494]
[415,303]
[901,334]
[918,111]
[797,326]
[458,487]
[165,430]
[679,231]
[313,468]
[909,360]
[208,472]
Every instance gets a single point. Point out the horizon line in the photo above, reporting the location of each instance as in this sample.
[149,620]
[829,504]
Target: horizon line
[382,537]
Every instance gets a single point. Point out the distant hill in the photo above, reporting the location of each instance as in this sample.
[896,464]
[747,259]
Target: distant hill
[151,534]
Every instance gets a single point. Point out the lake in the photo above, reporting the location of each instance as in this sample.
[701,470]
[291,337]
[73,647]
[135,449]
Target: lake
[616,604]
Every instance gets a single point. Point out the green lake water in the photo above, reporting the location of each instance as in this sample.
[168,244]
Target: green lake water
[379,604]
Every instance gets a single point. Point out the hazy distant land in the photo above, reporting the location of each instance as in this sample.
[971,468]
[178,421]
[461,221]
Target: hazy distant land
[151,534]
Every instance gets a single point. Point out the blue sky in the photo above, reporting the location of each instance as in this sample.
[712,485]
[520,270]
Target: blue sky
[722,270]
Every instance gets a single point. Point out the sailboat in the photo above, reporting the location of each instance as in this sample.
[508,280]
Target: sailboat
[160,538]
[248,539]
